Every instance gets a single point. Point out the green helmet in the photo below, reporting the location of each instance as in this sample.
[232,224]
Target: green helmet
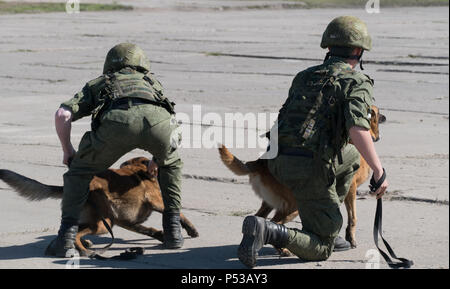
[347,31]
[126,54]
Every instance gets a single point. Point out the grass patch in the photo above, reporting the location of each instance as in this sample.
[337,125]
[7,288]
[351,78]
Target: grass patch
[362,3]
[383,3]
[355,3]
[213,53]
[46,7]
[240,213]
[23,50]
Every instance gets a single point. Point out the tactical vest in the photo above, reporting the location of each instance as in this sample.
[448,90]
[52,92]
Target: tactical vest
[120,86]
[312,117]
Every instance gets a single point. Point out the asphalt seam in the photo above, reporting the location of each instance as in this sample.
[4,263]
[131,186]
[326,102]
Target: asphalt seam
[376,62]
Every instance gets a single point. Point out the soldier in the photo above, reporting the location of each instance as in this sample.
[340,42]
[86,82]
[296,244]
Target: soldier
[328,105]
[128,111]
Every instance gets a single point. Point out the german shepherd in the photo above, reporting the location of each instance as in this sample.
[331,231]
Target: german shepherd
[279,197]
[125,197]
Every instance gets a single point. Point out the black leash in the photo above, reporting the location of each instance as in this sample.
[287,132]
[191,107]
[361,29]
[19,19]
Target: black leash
[129,254]
[377,230]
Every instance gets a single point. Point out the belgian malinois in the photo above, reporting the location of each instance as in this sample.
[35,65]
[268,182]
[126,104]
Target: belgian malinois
[279,197]
[125,197]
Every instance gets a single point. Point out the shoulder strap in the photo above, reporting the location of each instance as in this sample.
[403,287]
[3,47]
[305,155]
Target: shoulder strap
[163,101]
[309,122]
[115,89]
[370,79]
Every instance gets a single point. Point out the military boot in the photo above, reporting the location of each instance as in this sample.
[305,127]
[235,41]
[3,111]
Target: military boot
[257,233]
[64,244]
[173,238]
[341,245]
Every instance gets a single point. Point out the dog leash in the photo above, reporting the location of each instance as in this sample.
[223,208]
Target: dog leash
[377,230]
[129,254]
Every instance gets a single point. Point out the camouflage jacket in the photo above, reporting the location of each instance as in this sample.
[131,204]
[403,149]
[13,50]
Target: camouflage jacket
[91,99]
[324,102]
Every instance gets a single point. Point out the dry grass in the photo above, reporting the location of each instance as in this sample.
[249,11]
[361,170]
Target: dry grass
[46,7]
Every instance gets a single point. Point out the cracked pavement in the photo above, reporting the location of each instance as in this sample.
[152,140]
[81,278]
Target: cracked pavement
[235,60]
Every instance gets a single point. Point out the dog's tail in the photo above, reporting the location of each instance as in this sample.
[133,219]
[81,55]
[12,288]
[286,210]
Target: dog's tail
[232,162]
[30,189]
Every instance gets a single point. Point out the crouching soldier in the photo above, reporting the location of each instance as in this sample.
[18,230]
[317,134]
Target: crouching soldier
[128,111]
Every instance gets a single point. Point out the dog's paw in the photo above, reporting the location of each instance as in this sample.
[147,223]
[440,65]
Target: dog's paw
[85,253]
[192,232]
[87,243]
[349,237]
[284,252]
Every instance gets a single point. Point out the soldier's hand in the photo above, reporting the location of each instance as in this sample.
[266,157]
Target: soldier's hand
[382,189]
[68,156]
[152,168]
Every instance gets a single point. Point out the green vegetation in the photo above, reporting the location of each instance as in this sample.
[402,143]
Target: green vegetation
[241,213]
[213,53]
[45,7]
[383,3]
[351,3]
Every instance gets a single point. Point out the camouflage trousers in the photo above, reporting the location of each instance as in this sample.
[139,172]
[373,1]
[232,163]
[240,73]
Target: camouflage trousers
[146,127]
[318,201]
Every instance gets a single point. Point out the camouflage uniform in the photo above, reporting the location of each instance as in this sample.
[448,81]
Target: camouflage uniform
[144,126]
[128,111]
[315,158]
[319,182]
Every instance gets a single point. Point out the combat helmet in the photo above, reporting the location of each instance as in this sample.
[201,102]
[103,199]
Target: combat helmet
[347,31]
[126,55]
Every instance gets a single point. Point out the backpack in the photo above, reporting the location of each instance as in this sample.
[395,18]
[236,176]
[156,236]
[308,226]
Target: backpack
[312,117]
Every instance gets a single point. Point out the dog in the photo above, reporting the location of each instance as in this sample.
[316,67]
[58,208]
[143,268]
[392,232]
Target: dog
[124,197]
[279,197]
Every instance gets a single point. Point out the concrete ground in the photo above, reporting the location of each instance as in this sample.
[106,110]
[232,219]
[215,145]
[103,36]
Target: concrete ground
[227,61]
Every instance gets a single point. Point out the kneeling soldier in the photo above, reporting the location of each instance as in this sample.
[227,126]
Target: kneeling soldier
[328,105]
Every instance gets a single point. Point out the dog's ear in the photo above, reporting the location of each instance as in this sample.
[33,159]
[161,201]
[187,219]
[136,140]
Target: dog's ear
[381,118]
[125,164]
[144,161]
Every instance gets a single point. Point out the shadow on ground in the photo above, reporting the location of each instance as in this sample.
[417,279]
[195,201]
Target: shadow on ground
[26,251]
[215,257]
